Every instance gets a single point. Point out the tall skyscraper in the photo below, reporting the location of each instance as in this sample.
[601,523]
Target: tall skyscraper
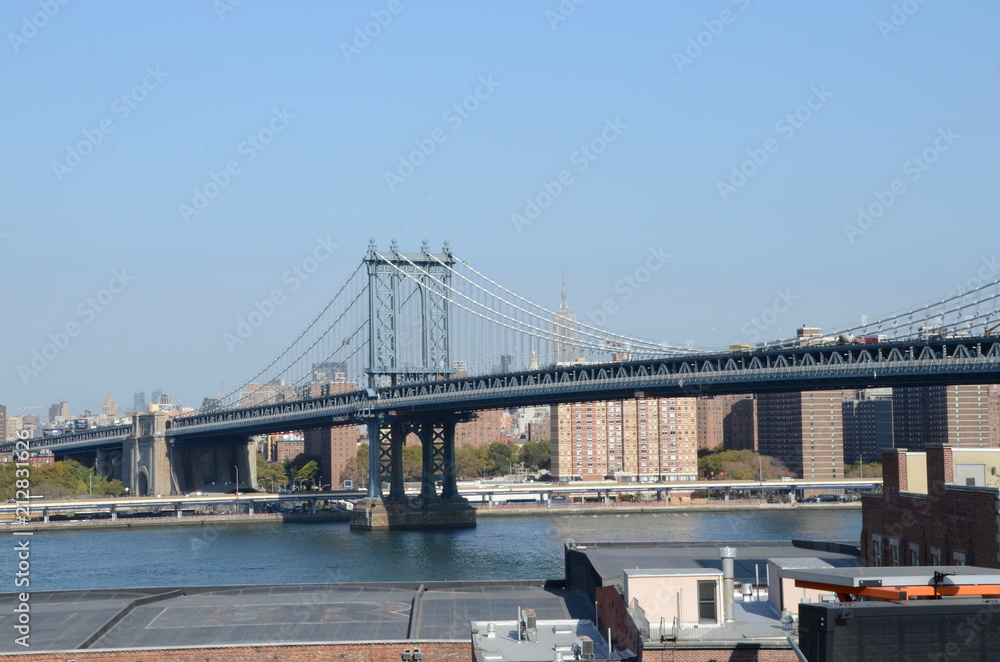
[139,404]
[155,398]
[109,408]
[3,421]
[566,332]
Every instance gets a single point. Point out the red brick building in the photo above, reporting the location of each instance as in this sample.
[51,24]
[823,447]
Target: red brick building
[938,507]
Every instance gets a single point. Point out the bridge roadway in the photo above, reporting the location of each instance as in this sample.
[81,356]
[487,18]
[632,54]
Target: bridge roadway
[484,492]
[905,363]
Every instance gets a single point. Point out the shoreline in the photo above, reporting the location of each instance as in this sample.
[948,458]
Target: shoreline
[343,516]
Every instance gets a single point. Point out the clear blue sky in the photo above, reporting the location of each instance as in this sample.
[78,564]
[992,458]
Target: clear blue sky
[92,185]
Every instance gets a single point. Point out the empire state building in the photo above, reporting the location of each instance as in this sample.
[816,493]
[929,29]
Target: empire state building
[564,329]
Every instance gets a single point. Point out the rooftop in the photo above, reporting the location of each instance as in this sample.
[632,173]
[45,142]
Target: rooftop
[278,614]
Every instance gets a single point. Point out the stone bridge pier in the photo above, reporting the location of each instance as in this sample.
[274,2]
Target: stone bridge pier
[151,463]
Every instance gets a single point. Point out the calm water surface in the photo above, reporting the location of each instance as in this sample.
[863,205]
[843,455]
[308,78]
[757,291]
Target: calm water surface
[525,547]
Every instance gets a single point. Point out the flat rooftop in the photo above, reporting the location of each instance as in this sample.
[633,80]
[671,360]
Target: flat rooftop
[610,560]
[278,614]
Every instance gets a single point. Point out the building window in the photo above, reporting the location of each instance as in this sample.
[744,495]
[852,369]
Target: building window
[959,558]
[914,554]
[935,556]
[876,550]
[706,601]
[894,551]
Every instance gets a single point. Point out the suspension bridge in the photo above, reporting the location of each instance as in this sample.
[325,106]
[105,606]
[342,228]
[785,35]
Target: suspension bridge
[414,343]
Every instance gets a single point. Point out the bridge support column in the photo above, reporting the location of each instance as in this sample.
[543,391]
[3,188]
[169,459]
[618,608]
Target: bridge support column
[145,456]
[429,510]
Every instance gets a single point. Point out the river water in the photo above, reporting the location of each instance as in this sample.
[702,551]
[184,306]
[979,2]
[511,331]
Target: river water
[500,548]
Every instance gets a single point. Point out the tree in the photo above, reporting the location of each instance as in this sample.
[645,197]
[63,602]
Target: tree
[870,470]
[302,459]
[413,463]
[740,465]
[470,461]
[270,473]
[499,458]
[536,455]
[357,471]
[60,479]
[308,472]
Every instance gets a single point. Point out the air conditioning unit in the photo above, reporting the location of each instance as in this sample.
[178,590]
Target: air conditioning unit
[586,647]
[529,619]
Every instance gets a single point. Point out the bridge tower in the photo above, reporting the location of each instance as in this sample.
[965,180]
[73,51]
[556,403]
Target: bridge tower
[400,353]
[393,353]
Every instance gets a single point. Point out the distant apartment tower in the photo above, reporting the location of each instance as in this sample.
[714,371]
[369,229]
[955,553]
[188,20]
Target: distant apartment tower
[565,329]
[337,446]
[488,427]
[645,440]
[867,425]
[139,404]
[3,421]
[958,415]
[155,397]
[59,412]
[727,420]
[804,430]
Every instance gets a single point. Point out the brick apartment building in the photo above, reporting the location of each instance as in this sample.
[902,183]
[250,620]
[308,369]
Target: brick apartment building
[804,430]
[938,507]
[636,440]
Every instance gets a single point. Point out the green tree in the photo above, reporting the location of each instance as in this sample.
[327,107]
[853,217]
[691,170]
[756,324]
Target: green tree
[499,458]
[308,472]
[270,474]
[536,455]
[470,462]
[59,479]
[413,463]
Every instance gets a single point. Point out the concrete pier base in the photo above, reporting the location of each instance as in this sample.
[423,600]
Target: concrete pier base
[413,513]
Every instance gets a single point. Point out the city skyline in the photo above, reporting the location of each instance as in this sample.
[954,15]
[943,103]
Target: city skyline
[714,174]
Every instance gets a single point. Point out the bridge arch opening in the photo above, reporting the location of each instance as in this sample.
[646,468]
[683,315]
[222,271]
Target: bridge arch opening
[143,484]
